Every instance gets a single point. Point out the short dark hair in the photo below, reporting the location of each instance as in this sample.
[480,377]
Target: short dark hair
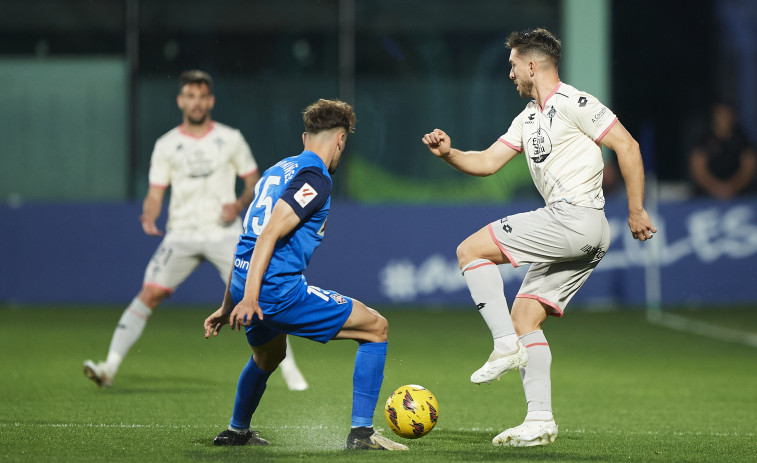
[539,41]
[195,76]
[329,114]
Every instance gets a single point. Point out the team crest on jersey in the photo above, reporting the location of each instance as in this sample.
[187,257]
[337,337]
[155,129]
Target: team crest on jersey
[551,114]
[539,146]
[305,194]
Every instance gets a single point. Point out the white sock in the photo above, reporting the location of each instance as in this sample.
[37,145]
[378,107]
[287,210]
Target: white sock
[288,361]
[535,376]
[128,330]
[488,293]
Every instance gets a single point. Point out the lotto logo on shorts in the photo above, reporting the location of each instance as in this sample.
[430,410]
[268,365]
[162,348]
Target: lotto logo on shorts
[305,195]
[338,298]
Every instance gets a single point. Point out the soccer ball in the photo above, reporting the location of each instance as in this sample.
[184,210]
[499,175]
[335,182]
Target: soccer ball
[411,411]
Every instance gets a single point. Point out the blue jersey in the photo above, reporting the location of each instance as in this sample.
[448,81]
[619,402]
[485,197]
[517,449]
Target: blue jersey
[304,182]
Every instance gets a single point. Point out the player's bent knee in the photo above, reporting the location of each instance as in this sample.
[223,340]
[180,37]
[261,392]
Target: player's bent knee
[382,328]
[152,296]
[270,355]
[463,255]
[364,324]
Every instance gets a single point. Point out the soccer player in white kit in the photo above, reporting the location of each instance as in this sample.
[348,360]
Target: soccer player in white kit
[559,132]
[200,160]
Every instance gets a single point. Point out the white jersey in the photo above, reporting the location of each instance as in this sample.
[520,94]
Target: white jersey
[561,143]
[202,173]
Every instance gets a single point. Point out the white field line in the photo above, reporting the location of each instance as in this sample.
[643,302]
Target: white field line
[315,428]
[680,323]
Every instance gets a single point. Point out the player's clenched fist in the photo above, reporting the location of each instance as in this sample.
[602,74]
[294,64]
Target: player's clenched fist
[438,142]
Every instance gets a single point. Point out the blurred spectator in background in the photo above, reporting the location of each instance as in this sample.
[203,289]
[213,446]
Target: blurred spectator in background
[723,162]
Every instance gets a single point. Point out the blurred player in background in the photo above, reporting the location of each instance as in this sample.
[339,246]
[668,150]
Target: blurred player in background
[560,131]
[200,159]
[268,294]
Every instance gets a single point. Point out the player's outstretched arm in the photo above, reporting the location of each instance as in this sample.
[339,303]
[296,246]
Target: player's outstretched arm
[629,159]
[477,163]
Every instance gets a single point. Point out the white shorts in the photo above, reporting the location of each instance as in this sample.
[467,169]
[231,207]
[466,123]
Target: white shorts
[562,242]
[176,259]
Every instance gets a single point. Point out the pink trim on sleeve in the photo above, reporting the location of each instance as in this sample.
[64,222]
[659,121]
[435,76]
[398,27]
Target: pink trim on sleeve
[557,311]
[510,145]
[253,171]
[612,124]
[502,248]
[159,185]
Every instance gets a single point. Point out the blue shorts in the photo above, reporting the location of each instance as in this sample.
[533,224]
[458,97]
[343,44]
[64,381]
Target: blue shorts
[308,311]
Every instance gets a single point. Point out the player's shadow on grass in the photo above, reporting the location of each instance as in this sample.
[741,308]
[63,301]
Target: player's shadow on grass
[459,445]
[140,384]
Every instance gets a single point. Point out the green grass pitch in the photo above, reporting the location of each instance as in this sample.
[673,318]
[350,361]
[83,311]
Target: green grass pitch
[623,390]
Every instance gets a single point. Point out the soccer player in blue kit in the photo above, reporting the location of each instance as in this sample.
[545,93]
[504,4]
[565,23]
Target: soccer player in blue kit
[268,294]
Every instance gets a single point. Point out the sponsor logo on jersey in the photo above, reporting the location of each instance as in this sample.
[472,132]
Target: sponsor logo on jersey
[338,298]
[241,264]
[199,165]
[582,102]
[305,194]
[598,115]
[539,146]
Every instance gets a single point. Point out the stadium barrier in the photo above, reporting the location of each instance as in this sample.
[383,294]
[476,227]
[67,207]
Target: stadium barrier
[382,254]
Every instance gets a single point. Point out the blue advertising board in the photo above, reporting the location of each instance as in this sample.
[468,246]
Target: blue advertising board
[705,250]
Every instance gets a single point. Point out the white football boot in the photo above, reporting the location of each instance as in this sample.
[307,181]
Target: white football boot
[99,373]
[499,364]
[528,434]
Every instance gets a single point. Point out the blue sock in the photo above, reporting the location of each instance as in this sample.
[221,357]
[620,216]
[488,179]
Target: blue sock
[366,381]
[250,389]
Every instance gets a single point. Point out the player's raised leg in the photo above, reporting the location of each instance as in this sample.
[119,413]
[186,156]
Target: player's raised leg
[250,388]
[478,257]
[369,329]
[539,427]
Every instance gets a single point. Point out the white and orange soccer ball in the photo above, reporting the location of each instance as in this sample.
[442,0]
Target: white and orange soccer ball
[411,411]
